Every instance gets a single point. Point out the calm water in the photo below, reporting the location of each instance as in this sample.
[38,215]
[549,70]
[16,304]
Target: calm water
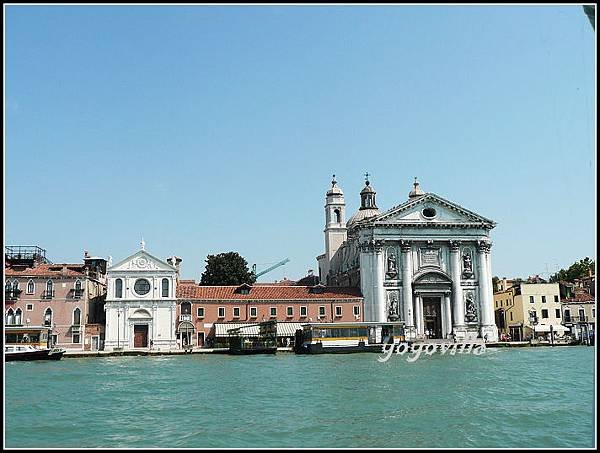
[526,397]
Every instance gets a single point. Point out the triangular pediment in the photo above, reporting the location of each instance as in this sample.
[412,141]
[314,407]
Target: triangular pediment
[431,209]
[142,261]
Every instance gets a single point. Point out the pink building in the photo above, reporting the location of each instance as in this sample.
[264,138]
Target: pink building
[200,308]
[67,297]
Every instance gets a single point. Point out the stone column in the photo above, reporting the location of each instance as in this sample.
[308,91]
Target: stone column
[457,294]
[407,299]
[486,296]
[448,312]
[418,313]
[379,309]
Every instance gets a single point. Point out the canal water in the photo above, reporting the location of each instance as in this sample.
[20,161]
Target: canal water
[519,397]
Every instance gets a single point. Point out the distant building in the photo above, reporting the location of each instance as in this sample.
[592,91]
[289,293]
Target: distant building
[527,310]
[204,312]
[68,297]
[141,303]
[579,313]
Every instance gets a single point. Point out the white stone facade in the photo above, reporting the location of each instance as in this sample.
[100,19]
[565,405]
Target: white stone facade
[425,262]
[141,304]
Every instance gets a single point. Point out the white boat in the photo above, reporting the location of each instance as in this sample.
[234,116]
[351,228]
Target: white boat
[28,352]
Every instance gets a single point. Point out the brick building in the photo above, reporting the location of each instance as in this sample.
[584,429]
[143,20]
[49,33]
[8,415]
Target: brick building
[201,308]
[68,297]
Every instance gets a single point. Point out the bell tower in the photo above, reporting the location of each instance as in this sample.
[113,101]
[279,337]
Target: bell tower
[335,226]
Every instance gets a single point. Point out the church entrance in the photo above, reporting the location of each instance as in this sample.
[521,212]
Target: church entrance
[432,317]
[140,336]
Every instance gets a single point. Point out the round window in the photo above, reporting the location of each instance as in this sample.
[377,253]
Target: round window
[429,213]
[142,286]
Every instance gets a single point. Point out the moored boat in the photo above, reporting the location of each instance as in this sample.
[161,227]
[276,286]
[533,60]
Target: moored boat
[28,352]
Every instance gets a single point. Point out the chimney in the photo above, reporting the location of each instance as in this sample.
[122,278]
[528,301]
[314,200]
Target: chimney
[310,272]
[86,254]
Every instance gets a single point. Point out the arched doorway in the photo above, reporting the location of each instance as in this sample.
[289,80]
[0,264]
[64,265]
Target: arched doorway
[141,321]
[433,319]
[186,334]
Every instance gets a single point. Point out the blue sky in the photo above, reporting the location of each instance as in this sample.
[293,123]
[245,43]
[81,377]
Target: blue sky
[209,129]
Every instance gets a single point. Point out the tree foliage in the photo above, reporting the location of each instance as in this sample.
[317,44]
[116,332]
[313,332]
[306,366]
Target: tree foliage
[577,270]
[226,269]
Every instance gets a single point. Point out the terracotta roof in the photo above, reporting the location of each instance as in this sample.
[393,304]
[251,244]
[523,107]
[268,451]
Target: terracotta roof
[47,270]
[267,292]
[580,297]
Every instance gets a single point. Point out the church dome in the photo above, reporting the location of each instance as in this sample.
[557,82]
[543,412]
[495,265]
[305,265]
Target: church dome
[361,215]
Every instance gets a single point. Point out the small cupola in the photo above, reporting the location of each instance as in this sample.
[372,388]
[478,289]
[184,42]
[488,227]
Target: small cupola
[417,191]
[367,195]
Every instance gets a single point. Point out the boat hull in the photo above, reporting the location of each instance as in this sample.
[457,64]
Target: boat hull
[252,351]
[33,355]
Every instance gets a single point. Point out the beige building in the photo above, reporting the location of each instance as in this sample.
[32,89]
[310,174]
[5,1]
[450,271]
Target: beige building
[528,310]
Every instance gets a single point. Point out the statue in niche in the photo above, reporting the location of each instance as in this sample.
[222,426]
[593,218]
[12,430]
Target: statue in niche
[392,270]
[393,308]
[471,312]
[467,263]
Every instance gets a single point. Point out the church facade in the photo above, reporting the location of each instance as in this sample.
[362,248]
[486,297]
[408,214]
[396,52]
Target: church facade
[425,262]
[141,304]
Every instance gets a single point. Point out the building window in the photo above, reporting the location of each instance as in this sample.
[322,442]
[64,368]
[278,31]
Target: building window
[10,317]
[501,303]
[236,312]
[356,310]
[76,318]
[30,287]
[49,290]
[303,312]
[165,287]
[531,299]
[558,313]
[78,285]
[338,310]
[76,337]
[118,288]
[338,216]
[321,311]
[200,312]
[29,307]
[581,315]
[593,312]
[141,286]
[221,312]
[253,311]
[567,315]
[290,311]
[48,317]
[556,299]
[544,313]
[273,312]
[543,299]
[18,317]
[511,318]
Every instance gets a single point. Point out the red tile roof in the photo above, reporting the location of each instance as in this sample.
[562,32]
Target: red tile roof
[267,292]
[580,297]
[47,270]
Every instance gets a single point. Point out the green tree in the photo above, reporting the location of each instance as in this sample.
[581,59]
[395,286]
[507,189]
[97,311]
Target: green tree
[578,269]
[226,269]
